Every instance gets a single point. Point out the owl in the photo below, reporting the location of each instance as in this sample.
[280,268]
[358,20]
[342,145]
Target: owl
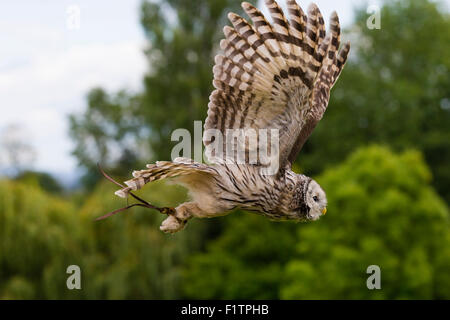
[270,77]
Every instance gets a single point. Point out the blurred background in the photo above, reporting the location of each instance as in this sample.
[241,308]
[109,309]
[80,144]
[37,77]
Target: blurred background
[83,82]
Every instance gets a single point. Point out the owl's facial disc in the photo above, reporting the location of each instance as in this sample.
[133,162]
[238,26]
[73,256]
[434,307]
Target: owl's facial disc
[316,201]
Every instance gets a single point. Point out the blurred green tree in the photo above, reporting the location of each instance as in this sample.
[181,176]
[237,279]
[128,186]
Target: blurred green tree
[245,262]
[109,133]
[124,257]
[42,179]
[382,211]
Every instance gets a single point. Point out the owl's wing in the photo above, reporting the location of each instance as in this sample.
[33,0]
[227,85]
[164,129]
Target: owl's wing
[163,170]
[275,76]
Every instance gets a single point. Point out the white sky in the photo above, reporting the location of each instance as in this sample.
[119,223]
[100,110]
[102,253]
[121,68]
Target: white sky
[46,68]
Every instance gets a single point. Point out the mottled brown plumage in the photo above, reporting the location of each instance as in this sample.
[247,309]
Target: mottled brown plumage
[270,76]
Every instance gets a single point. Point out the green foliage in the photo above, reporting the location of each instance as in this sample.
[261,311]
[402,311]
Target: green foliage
[382,211]
[125,256]
[36,229]
[245,262]
[42,179]
[102,134]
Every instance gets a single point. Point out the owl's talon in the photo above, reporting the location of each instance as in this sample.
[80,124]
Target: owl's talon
[168,211]
[172,224]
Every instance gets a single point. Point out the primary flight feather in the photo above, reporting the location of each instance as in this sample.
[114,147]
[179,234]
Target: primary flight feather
[271,77]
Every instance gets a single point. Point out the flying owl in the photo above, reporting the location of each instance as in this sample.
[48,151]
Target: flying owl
[275,76]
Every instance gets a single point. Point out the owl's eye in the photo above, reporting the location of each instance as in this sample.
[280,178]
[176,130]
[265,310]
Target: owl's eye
[315,198]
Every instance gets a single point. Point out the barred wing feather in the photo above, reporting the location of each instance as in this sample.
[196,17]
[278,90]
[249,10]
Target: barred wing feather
[275,76]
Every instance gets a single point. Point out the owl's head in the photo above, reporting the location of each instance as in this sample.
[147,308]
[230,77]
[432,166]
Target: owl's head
[308,200]
[315,200]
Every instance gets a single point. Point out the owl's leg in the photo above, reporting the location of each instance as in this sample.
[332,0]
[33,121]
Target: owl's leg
[176,222]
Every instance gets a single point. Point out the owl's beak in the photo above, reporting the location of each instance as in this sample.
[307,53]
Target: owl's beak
[324,210]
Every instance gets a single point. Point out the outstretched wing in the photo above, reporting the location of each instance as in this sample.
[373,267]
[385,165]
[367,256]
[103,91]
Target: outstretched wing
[275,76]
[163,170]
